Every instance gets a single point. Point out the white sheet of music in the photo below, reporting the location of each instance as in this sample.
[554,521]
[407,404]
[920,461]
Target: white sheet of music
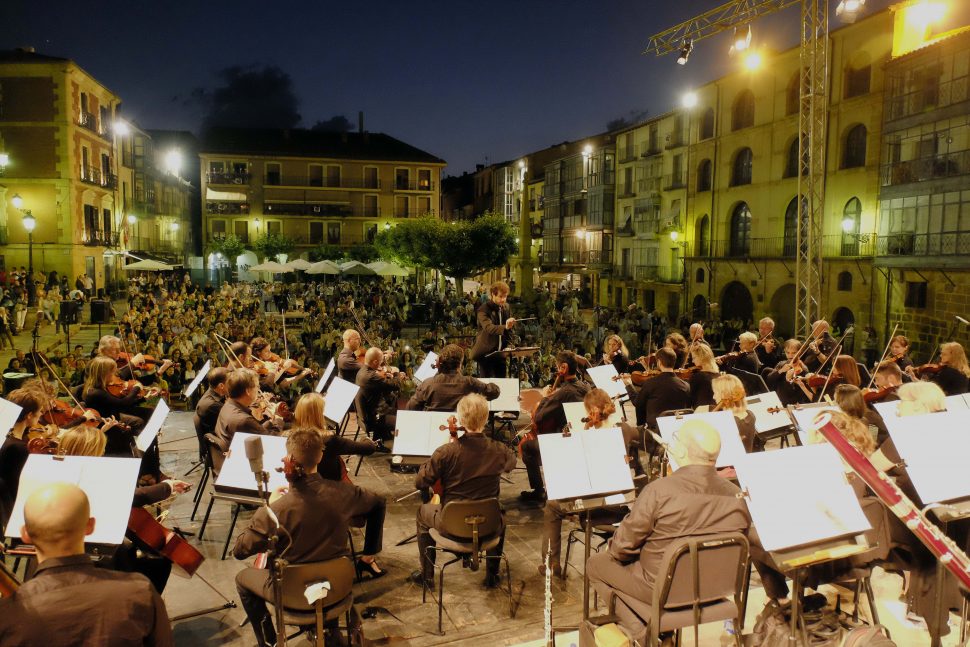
[108,482]
[586,463]
[508,398]
[152,427]
[804,415]
[957,402]
[197,380]
[427,370]
[235,472]
[576,411]
[327,372]
[936,448]
[723,421]
[764,421]
[799,496]
[418,432]
[340,397]
[602,377]
[9,412]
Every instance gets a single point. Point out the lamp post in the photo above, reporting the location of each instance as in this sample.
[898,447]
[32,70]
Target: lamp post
[29,224]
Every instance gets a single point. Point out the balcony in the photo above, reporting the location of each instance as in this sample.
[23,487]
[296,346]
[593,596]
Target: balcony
[673,181]
[97,177]
[927,168]
[932,95]
[676,139]
[98,238]
[405,185]
[626,154]
[658,274]
[147,208]
[650,149]
[324,182]
[307,209]
[627,191]
[947,243]
[89,122]
[780,247]
[227,208]
[599,257]
[227,177]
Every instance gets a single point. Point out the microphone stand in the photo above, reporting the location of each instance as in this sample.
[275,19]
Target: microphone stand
[274,559]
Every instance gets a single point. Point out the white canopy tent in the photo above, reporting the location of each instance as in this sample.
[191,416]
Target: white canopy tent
[323,267]
[149,265]
[356,268]
[383,268]
[271,266]
[298,264]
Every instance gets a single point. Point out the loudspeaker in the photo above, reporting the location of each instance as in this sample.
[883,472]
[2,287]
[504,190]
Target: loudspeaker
[100,312]
[70,310]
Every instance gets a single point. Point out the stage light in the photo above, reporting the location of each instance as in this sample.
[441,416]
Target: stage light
[742,40]
[689,100]
[685,52]
[848,10]
[752,61]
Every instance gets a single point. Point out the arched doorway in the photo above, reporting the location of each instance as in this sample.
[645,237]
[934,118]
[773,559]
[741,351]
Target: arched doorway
[736,302]
[782,310]
[842,320]
[699,308]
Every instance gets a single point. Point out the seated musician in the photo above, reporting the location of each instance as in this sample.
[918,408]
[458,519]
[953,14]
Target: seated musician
[242,391]
[212,401]
[370,507]
[616,353]
[550,418]
[820,347]
[13,451]
[748,361]
[692,501]
[729,395]
[899,352]
[951,374]
[662,392]
[696,332]
[599,407]
[349,359]
[276,365]
[779,378]
[240,356]
[844,370]
[769,352]
[850,400]
[676,342]
[887,380]
[701,392]
[315,515]
[69,601]
[377,399]
[443,391]
[130,369]
[469,469]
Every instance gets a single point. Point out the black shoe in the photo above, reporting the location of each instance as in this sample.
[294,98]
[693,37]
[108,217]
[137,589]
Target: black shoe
[417,577]
[381,448]
[371,569]
[533,496]
[492,580]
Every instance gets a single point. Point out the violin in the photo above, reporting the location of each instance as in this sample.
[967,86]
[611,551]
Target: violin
[927,369]
[61,414]
[453,427]
[42,441]
[877,395]
[729,357]
[639,377]
[155,537]
[121,388]
[816,381]
[686,373]
[292,470]
[147,361]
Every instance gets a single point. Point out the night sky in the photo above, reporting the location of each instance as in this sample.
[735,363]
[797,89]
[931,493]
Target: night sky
[470,82]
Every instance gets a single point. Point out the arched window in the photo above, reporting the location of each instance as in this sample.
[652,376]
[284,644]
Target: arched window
[851,224]
[707,124]
[792,94]
[702,235]
[791,228]
[854,147]
[791,164]
[741,230]
[844,282]
[704,176]
[742,112]
[741,168]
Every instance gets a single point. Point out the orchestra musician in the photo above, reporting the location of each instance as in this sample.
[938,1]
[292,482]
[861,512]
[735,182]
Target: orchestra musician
[349,358]
[314,513]
[899,352]
[850,400]
[748,361]
[110,346]
[676,342]
[660,393]
[494,331]
[820,347]
[696,332]
[776,378]
[275,364]
[240,356]
[443,391]
[729,395]
[769,351]
[377,398]
[469,469]
[701,392]
[242,389]
[550,417]
[888,378]
[952,372]
[13,452]
[692,501]
[69,601]
[615,352]
[212,401]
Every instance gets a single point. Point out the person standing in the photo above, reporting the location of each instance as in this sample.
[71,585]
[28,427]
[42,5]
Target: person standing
[494,331]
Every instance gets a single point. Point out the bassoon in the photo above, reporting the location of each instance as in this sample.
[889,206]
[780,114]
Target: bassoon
[949,554]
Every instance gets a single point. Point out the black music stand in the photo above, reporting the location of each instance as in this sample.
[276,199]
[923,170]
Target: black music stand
[508,353]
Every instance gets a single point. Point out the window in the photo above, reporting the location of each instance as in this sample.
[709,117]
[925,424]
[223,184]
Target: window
[315,175]
[851,223]
[792,94]
[316,233]
[854,148]
[217,167]
[90,222]
[106,222]
[371,178]
[790,242]
[274,227]
[741,168]
[791,164]
[857,81]
[699,275]
[741,230]
[370,232]
[218,228]
[370,207]
[241,229]
[333,233]
[707,124]
[424,206]
[704,176]
[653,138]
[915,294]
[401,206]
[402,179]
[333,175]
[742,113]
[424,179]
[844,282]
[702,236]
[273,174]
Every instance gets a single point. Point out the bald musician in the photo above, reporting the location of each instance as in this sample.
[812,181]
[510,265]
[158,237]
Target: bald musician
[495,324]
[377,398]
[69,601]
[348,363]
[443,391]
[692,501]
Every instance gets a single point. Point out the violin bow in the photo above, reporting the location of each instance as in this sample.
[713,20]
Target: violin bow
[835,350]
[61,382]
[227,347]
[872,378]
[690,348]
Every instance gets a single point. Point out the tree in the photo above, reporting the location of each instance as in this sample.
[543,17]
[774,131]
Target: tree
[229,246]
[325,252]
[631,118]
[270,246]
[363,252]
[336,124]
[249,97]
[458,249]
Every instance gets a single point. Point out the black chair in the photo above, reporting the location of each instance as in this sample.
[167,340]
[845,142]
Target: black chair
[297,578]
[753,383]
[204,461]
[467,530]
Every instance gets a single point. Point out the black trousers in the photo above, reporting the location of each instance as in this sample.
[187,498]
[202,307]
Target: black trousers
[427,518]
[533,463]
[493,366]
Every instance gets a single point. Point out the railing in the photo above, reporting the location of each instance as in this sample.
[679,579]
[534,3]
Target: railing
[650,148]
[649,185]
[146,207]
[838,245]
[98,238]
[626,154]
[89,121]
[673,181]
[227,207]
[627,191]
[947,243]
[927,168]
[410,213]
[324,182]
[599,257]
[659,274]
[227,177]
[403,185]
[94,175]
[945,94]
[676,139]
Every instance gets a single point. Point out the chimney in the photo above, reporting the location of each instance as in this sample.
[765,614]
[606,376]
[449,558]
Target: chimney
[360,121]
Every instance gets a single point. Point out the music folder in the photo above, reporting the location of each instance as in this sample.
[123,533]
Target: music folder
[152,427]
[197,380]
[427,370]
[418,433]
[936,450]
[799,496]
[764,421]
[602,377]
[723,421]
[325,378]
[236,476]
[584,463]
[109,483]
[340,397]
[508,397]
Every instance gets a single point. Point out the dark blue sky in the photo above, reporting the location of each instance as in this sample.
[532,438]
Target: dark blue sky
[467,81]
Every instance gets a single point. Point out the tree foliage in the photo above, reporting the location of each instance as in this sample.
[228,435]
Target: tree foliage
[458,249]
[230,246]
[270,246]
[363,252]
[249,97]
[325,252]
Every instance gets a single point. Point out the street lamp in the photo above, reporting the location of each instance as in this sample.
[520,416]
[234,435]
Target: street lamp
[29,224]
[132,219]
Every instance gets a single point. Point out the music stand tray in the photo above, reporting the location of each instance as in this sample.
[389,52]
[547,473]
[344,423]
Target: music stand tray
[521,351]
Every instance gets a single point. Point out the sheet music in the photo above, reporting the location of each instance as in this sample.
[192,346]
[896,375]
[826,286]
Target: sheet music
[417,432]
[9,412]
[576,411]
[764,421]
[804,415]
[936,448]
[340,397]
[108,482]
[799,496]
[957,402]
[602,377]
[508,398]
[723,421]
[194,384]
[427,370]
[584,464]
[152,427]
[327,372]
[236,473]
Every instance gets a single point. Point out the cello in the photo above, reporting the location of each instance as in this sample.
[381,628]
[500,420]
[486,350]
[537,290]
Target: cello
[150,534]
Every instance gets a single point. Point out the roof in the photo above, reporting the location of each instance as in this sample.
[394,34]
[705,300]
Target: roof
[25,55]
[300,142]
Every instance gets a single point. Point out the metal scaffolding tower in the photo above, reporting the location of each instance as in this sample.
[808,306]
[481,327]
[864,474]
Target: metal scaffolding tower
[811,123]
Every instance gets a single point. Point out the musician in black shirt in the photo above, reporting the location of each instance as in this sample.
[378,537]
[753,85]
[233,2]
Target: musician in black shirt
[443,391]
[660,393]
[494,331]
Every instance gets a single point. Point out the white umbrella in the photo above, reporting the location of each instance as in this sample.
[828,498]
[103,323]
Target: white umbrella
[298,264]
[149,265]
[356,268]
[324,267]
[271,266]
[383,268]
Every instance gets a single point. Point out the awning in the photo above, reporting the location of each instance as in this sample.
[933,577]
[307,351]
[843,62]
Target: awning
[230,196]
[553,276]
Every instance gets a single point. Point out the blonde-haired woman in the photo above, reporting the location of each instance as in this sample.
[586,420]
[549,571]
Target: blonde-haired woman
[701,391]
[362,507]
[615,352]
[729,395]
[953,375]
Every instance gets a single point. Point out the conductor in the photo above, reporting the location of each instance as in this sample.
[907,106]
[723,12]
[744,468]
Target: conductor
[494,331]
